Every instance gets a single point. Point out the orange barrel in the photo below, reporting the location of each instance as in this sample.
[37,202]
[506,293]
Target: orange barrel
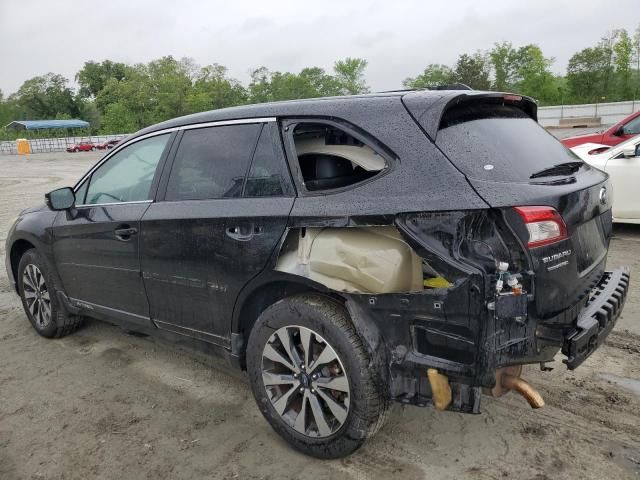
[23,146]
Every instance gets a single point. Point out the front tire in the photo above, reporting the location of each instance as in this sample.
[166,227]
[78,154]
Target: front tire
[312,379]
[39,298]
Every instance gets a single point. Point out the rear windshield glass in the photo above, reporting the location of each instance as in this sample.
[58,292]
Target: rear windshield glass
[498,143]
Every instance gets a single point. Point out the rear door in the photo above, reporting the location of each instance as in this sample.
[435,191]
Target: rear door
[96,244]
[225,207]
[511,161]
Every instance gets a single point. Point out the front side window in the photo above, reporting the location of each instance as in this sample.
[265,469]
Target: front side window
[81,192]
[633,127]
[127,175]
[212,162]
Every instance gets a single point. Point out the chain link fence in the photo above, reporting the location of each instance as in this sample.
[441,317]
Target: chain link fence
[43,145]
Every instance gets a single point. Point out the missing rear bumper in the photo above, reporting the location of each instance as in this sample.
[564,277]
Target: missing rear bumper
[598,318]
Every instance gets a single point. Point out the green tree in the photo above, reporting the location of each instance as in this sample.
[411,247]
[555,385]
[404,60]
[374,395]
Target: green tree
[135,101]
[267,86]
[533,76]
[93,76]
[45,96]
[623,50]
[636,49]
[586,74]
[432,76]
[7,110]
[169,83]
[212,89]
[118,118]
[321,83]
[473,70]
[503,60]
[350,75]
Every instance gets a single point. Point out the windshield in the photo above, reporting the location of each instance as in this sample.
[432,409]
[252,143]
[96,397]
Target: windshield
[499,143]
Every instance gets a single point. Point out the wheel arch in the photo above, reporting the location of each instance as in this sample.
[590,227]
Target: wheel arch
[18,249]
[252,303]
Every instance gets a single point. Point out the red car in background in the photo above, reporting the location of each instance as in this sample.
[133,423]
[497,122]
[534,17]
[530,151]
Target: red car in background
[621,131]
[108,144]
[81,147]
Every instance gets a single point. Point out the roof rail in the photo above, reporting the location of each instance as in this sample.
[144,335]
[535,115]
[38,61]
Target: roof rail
[451,86]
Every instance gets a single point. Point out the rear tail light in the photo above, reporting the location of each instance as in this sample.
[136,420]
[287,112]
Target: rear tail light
[544,224]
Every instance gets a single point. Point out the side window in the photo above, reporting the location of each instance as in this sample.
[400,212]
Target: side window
[81,193]
[269,174]
[212,162]
[331,158]
[633,127]
[127,176]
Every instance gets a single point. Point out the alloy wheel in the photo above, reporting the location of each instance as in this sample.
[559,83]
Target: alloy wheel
[36,295]
[305,381]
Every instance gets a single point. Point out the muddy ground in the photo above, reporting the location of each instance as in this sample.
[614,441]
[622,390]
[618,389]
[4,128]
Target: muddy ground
[108,405]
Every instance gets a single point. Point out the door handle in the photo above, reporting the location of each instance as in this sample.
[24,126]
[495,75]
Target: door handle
[125,233]
[244,233]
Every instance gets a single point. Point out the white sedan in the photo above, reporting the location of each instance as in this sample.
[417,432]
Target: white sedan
[622,163]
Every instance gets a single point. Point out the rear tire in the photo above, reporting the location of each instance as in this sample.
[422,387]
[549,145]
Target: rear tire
[39,298]
[304,408]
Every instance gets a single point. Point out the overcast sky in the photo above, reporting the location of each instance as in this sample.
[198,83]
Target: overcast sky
[398,38]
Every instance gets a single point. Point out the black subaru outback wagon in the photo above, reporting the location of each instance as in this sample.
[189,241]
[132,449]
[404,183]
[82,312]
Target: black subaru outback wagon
[409,246]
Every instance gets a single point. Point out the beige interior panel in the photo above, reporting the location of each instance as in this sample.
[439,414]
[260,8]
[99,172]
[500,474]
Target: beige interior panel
[365,260]
[363,156]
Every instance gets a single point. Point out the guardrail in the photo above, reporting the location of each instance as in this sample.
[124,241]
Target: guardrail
[43,145]
[608,113]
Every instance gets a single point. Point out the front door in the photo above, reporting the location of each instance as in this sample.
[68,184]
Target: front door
[96,244]
[624,173]
[216,228]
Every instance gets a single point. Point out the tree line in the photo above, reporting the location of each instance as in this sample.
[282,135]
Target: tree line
[116,97]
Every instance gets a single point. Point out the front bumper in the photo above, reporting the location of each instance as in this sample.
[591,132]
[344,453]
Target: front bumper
[597,319]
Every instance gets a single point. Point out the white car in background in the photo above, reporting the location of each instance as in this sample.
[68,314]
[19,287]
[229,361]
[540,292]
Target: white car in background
[622,163]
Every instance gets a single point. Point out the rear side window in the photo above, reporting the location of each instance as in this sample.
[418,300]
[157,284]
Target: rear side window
[269,175]
[498,143]
[331,158]
[212,162]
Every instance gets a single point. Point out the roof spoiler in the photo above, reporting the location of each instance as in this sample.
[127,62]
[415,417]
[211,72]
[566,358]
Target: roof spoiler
[428,107]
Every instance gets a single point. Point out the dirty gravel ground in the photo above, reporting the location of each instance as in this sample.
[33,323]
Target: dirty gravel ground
[105,404]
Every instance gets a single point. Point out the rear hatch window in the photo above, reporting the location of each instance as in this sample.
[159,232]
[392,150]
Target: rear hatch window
[502,143]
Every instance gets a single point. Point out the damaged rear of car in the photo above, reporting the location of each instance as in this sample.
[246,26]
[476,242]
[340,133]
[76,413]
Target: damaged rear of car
[452,302]
[346,252]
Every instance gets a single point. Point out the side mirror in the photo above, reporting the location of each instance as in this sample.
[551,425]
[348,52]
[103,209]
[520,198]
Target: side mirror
[618,132]
[61,199]
[630,151]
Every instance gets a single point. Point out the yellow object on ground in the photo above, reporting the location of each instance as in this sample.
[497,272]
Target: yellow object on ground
[440,389]
[437,282]
[23,146]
